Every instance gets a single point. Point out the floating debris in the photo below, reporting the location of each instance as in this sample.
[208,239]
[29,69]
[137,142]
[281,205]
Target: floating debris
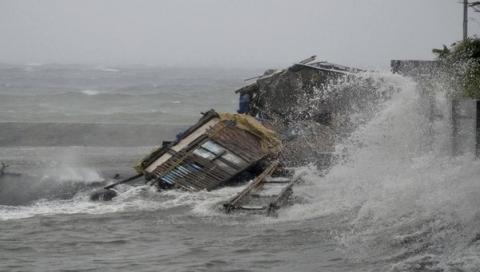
[3,168]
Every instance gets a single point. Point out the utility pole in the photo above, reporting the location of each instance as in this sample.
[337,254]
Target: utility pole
[465,19]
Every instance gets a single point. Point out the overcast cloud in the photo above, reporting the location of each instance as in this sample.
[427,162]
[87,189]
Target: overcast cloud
[365,33]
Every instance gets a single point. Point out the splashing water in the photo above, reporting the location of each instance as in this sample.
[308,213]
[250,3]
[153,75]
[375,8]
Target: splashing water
[60,176]
[400,190]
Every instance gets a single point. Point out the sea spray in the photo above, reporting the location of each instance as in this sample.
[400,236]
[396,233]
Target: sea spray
[70,167]
[60,175]
[406,200]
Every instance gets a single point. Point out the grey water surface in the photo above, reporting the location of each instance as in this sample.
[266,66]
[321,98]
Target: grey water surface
[69,129]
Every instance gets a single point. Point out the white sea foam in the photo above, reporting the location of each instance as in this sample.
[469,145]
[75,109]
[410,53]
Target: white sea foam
[82,204]
[34,64]
[130,198]
[108,69]
[90,92]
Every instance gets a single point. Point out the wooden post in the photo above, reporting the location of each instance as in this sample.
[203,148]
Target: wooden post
[465,19]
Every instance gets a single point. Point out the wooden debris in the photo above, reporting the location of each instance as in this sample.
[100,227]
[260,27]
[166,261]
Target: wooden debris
[233,203]
[2,168]
[264,193]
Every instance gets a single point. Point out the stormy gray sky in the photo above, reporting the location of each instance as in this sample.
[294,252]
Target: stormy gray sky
[365,33]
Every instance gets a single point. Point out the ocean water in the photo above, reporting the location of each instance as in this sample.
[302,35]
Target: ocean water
[396,200]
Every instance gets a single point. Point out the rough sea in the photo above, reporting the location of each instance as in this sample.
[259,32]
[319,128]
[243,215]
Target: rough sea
[393,203]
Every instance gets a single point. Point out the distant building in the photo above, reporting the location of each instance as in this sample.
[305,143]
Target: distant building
[304,110]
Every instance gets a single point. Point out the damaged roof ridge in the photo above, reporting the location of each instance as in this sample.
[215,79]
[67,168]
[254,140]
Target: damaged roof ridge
[309,63]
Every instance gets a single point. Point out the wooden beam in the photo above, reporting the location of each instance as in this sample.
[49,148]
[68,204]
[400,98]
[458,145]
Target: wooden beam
[233,203]
[277,202]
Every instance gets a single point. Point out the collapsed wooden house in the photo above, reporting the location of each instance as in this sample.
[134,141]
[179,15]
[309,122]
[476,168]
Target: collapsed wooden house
[274,129]
[213,152]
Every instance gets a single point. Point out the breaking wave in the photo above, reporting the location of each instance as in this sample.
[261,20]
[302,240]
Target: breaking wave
[404,199]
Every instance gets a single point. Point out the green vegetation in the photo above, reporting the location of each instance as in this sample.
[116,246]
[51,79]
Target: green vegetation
[462,63]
